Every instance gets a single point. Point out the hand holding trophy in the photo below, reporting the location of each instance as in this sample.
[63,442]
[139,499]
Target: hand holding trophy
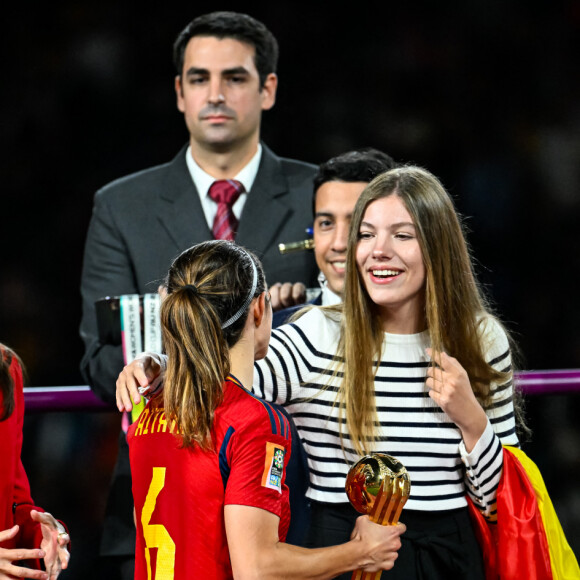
[378,485]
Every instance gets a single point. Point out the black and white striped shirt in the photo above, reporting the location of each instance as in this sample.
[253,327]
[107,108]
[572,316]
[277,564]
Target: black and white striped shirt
[413,428]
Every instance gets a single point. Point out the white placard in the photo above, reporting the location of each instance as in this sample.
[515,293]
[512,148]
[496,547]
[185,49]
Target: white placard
[130,326]
[152,334]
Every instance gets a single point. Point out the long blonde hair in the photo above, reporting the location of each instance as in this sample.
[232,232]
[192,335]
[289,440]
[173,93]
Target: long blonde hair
[454,303]
[207,285]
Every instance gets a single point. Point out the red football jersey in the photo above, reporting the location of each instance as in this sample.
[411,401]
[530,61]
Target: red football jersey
[180,494]
[15,500]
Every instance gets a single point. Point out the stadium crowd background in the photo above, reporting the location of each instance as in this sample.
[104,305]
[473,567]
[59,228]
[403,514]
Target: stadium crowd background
[484,94]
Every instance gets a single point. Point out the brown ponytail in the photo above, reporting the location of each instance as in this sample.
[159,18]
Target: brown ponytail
[207,286]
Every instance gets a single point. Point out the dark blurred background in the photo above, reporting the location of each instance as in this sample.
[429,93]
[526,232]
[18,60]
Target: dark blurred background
[486,95]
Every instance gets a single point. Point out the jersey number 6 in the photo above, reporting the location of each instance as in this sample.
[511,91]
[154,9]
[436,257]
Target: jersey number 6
[156,536]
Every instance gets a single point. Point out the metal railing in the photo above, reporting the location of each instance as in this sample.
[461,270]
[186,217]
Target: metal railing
[81,398]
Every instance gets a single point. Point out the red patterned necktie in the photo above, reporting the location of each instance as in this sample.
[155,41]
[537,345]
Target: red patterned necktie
[225,192]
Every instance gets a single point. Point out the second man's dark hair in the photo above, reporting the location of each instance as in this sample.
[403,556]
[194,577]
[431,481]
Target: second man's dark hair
[352,166]
[359,165]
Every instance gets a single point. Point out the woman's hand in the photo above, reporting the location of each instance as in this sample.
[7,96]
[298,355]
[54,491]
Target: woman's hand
[450,388]
[8,571]
[55,541]
[142,375]
[385,540]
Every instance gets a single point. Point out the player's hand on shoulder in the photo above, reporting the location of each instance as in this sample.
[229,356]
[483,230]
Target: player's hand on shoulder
[140,377]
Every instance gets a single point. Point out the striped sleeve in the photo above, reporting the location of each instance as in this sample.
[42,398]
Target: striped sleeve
[293,360]
[483,465]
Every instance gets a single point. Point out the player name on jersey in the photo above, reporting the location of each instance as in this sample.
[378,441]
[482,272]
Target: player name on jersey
[154,421]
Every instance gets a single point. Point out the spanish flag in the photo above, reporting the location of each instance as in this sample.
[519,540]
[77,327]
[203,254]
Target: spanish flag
[528,540]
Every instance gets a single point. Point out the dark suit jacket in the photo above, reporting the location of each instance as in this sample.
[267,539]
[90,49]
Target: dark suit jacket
[140,223]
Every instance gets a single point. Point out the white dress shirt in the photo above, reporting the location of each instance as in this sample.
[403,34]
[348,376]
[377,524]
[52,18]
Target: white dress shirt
[203,181]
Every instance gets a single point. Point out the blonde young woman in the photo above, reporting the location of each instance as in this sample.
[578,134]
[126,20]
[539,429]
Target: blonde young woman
[208,458]
[413,364]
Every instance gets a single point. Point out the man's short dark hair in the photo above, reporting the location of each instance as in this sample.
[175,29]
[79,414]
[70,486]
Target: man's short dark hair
[359,165]
[234,25]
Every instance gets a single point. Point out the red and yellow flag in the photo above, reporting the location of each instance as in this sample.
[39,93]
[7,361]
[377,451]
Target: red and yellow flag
[528,540]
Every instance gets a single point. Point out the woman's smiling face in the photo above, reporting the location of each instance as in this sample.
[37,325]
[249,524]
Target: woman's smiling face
[390,261]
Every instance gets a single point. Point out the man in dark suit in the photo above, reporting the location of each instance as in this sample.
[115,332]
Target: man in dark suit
[226,77]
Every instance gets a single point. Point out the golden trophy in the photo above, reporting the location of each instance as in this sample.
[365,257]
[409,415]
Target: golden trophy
[378,485]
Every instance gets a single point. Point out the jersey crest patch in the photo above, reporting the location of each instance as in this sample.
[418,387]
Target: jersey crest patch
[273,467]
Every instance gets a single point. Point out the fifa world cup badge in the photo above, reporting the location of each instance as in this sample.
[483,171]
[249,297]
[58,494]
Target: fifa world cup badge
[274,467]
